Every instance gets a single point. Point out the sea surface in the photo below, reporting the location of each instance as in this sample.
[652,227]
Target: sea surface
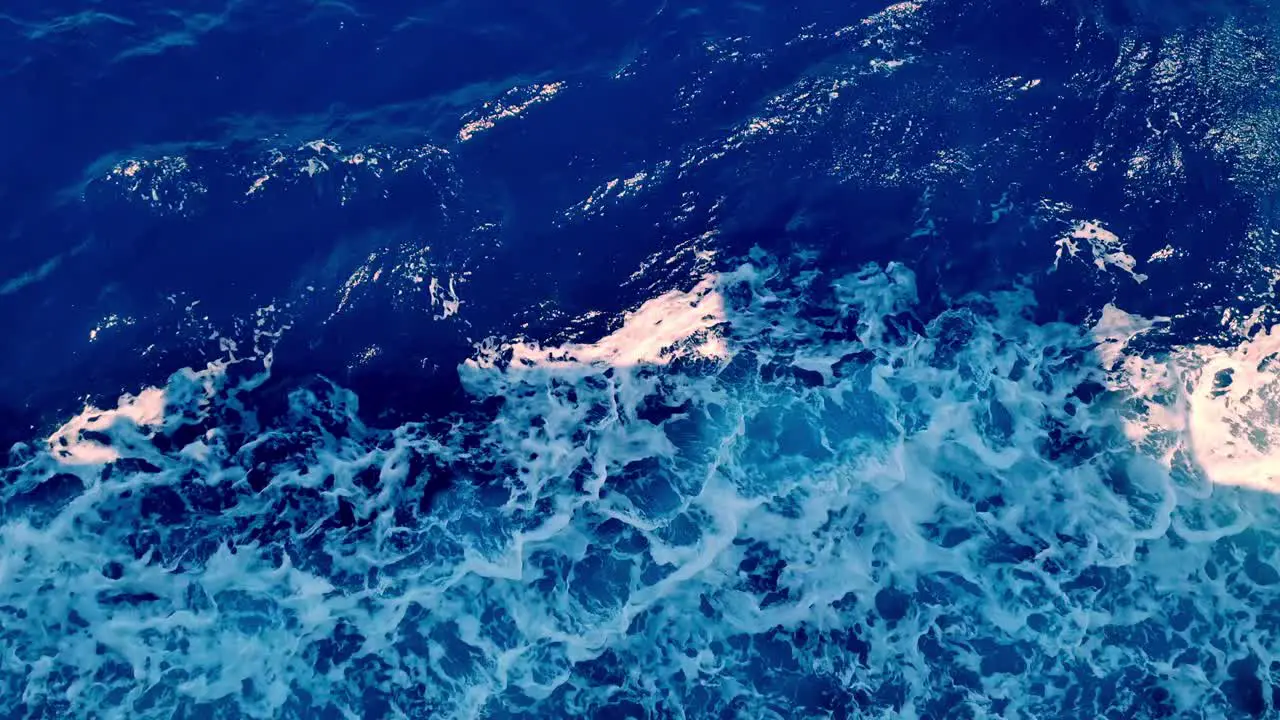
[638,359]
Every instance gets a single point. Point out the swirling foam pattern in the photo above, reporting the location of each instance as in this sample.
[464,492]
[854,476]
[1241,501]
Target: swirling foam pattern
[806,501]
[639,360]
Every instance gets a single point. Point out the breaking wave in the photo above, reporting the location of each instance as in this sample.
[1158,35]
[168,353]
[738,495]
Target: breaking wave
[780,493]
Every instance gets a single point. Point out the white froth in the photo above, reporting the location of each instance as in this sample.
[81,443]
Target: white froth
[68,444]
[514,102]
[1219,406]
[1235,430]
[444,296]
[674,324]
[848,509]
[1114,330]
[1105,247]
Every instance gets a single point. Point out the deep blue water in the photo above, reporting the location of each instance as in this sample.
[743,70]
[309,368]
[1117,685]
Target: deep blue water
[630,359]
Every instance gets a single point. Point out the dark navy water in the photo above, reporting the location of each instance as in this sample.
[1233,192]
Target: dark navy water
[631,359]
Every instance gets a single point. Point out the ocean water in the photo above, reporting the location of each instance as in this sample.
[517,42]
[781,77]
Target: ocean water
[637,360]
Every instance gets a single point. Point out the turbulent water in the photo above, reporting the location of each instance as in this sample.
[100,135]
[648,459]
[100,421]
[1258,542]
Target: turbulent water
[640,361]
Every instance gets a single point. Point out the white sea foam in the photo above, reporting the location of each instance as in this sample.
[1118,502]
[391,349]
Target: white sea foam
[779,494]
[1216,410]
[674,324]
[69,443]
[1105,247]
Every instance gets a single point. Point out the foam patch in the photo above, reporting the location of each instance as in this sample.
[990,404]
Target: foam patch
[781,494]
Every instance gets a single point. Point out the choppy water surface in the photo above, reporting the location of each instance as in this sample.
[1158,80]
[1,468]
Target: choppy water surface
[835,361]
